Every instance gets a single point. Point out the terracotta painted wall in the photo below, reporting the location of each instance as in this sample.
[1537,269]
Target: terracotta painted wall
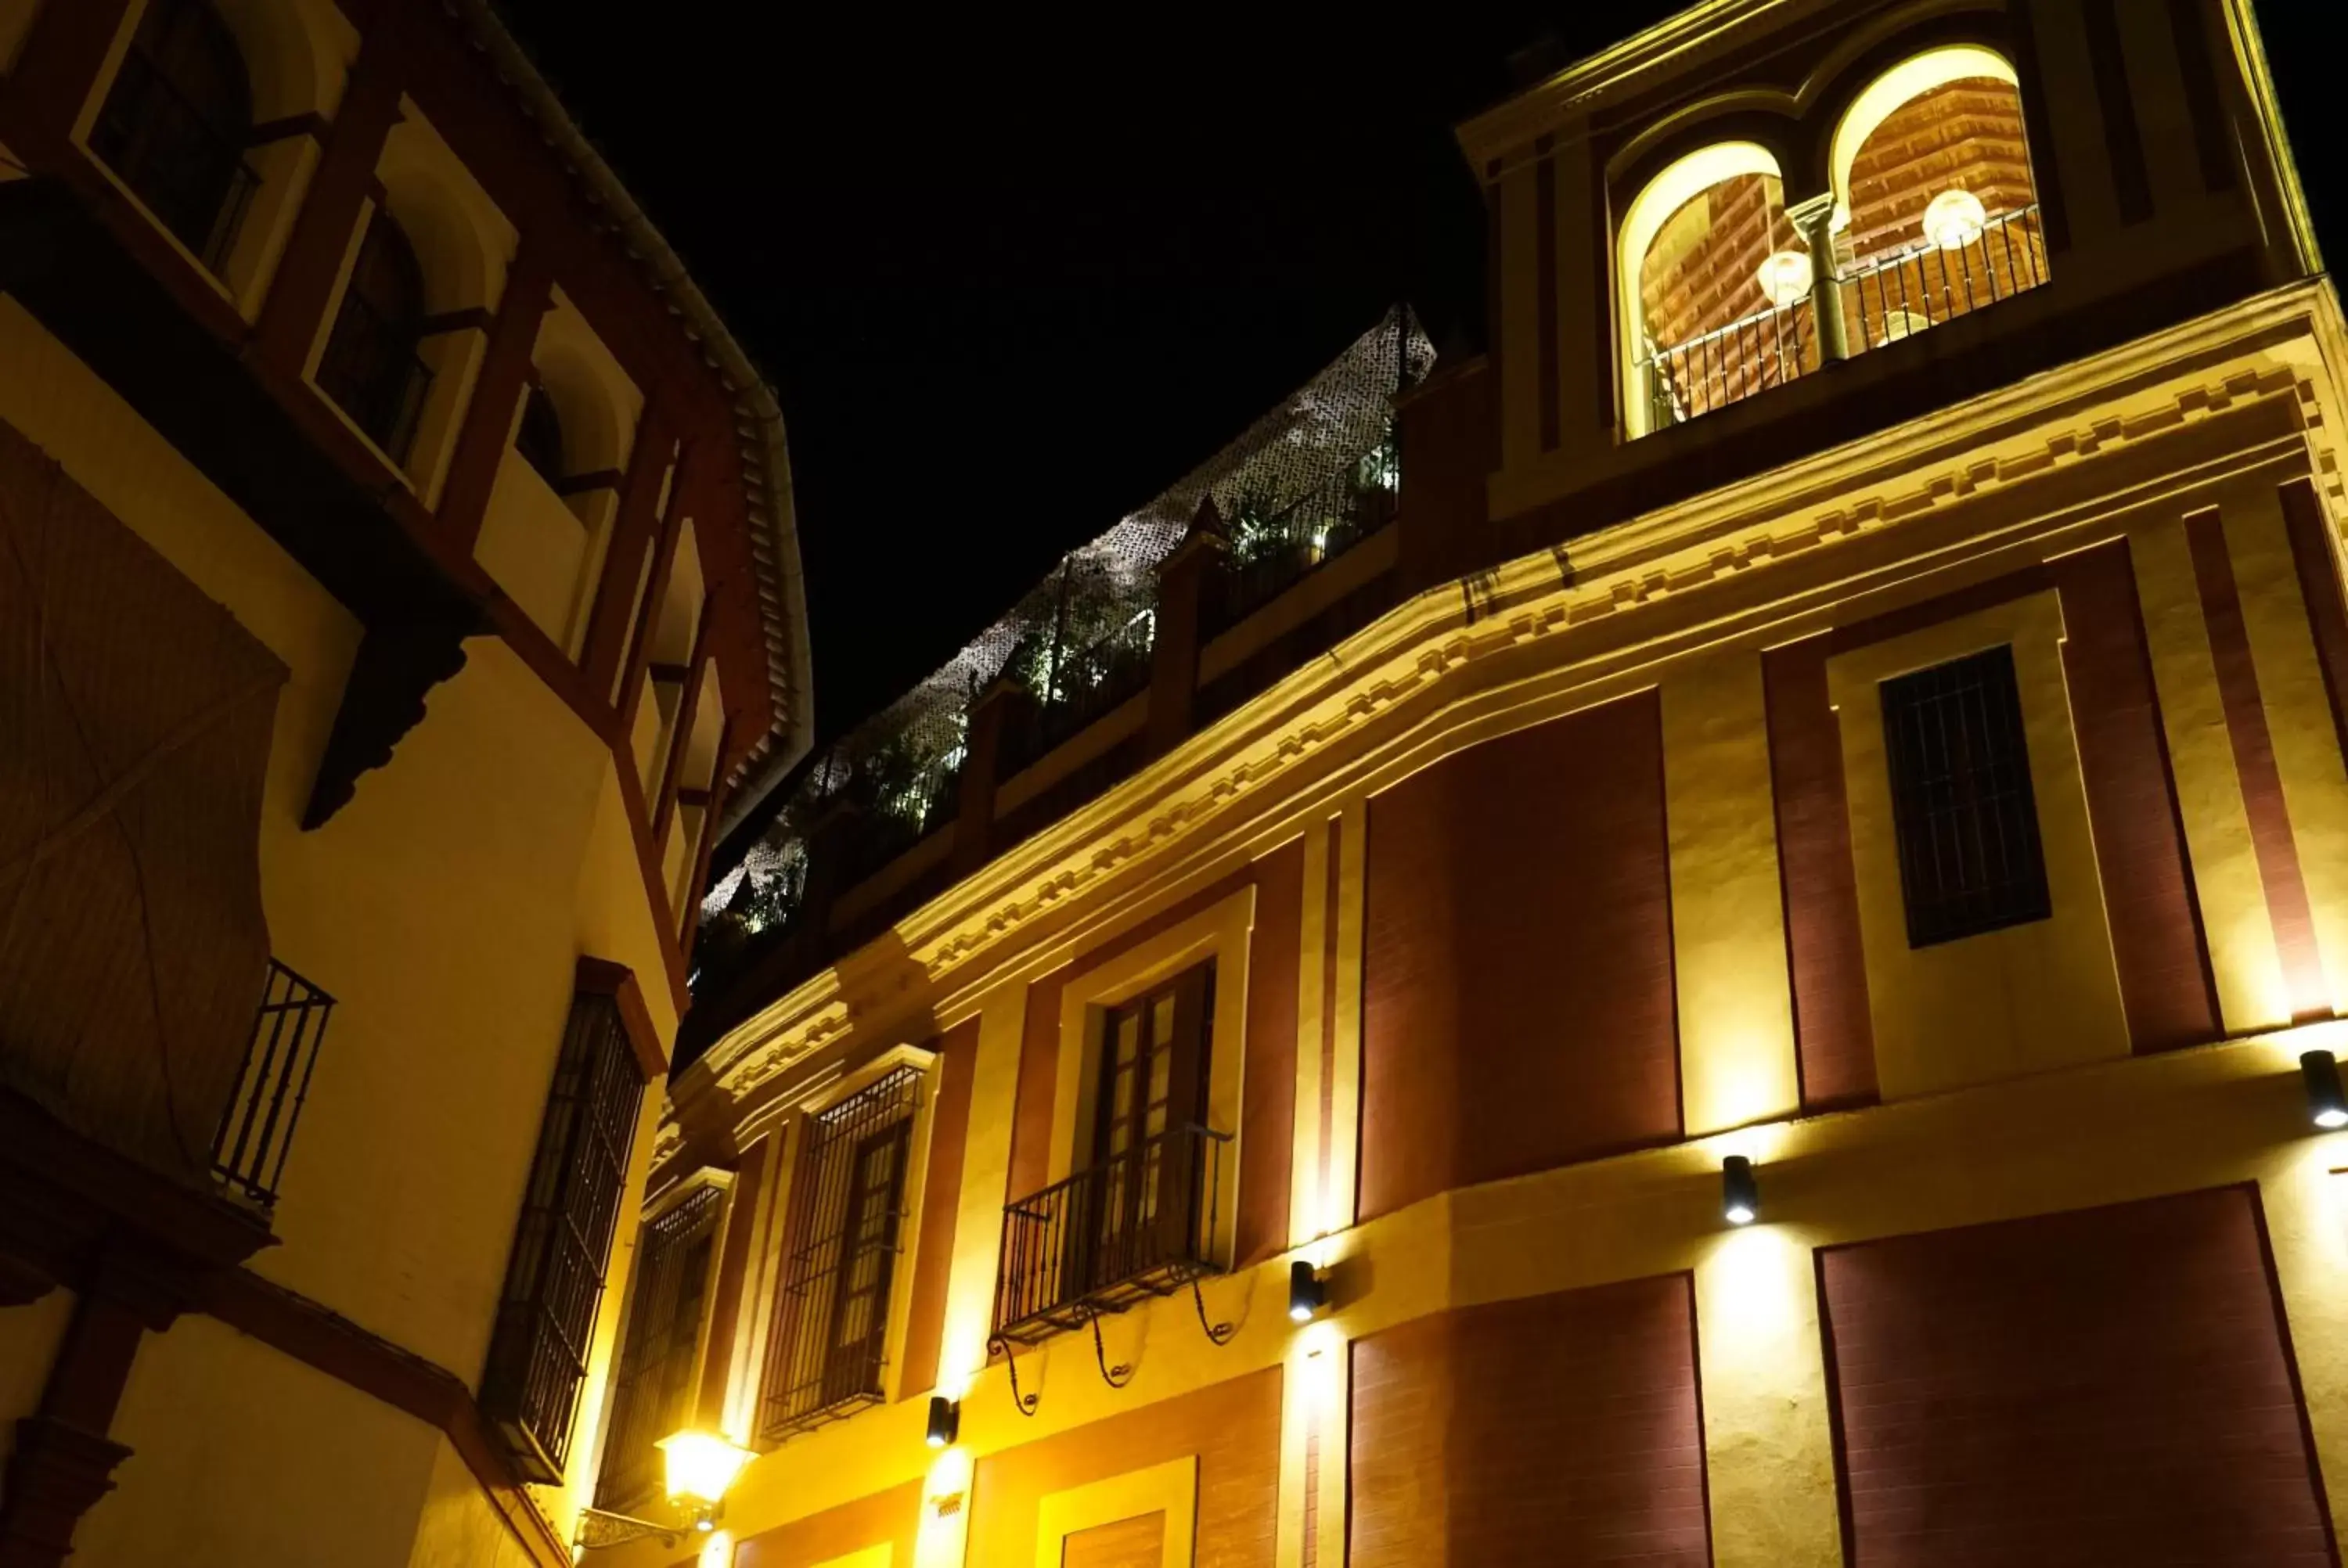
[1560,1428]
[1517,1005]
[941,1200]
[2109,1385]
[890,1517]
[1233,1428]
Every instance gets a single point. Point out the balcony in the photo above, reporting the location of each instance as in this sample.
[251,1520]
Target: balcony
[256,1130]
[1138,1224]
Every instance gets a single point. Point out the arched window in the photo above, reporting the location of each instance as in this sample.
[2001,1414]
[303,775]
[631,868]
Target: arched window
[175,126]
[539,438]
[371,367]
[1713,288]
[1936,213]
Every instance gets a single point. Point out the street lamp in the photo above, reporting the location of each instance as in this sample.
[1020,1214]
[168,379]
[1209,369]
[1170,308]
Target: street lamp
[700,1467]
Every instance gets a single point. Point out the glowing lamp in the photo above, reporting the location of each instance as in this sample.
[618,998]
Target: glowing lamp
[1308,1292]
[701,1466]
[1740,1192]
[1956,219]
[945,1422]
[2326,1106]
[1786,278]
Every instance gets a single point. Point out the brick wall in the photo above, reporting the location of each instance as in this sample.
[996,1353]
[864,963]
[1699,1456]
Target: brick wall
[1518,1010]
[1233,1428]
[1559,1429]
[2107,1386]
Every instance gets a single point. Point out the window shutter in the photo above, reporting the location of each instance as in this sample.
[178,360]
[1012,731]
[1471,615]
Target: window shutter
[554,1280]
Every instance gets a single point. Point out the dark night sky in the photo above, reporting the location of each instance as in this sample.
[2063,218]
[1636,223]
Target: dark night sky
[1012,279]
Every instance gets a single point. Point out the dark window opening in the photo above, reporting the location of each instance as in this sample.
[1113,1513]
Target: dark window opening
[372,368]
[539,437]
[175,124]
[554,1280]
[832,1325]
[1970,857]
[652,1390]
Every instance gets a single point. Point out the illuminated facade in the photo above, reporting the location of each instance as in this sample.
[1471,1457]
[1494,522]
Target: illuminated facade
[1859,691]
[397,574]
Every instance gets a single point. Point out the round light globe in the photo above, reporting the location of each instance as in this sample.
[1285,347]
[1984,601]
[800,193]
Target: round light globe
[1956,219]
[1784,278]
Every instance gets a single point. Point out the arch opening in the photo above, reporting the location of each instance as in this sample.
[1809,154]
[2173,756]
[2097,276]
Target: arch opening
[372,366]
[1713,288]
[1936,209]
[175,124]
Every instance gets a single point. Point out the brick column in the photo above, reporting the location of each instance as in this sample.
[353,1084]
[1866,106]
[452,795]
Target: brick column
[1814,218]
[1447,429]
[1184,580]
[828,847]
[996,719]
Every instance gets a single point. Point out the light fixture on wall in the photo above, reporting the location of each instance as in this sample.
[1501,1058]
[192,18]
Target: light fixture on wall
[1954,219]
[1786,278]
[1308,1292]
[945,1422]
[2327,1107]
[1740,1191]
[701,1467]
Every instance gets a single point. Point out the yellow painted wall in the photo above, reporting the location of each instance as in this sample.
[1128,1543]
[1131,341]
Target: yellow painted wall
[445,907]
[29,1343]
[241,1455]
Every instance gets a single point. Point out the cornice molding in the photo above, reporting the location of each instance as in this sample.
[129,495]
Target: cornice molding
[1276,754]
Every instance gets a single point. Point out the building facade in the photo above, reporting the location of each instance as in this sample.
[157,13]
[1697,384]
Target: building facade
[1845,737]
[398,574]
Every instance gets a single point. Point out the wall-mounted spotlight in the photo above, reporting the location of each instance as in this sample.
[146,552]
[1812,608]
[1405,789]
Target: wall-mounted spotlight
[2327,1107]
[1308,1292]
[1740,1191]
[945,1422]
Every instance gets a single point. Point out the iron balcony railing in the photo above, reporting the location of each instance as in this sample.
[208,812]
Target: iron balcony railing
[1271,554]
[1897,296]
[256,1130]
[189,174]
[1139,1223]
[1730,363]
[373,371]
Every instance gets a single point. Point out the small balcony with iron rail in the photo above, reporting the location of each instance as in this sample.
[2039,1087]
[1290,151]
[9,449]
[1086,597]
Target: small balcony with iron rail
[1141,1224]
[256,1129]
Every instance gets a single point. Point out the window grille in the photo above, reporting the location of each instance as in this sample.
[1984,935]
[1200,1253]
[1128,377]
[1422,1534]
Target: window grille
[372,365]
[651,1393]
[1970,859]
[832,1325]
[554,1280]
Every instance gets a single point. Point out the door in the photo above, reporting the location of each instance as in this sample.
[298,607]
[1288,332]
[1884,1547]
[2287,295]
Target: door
[1151,1092]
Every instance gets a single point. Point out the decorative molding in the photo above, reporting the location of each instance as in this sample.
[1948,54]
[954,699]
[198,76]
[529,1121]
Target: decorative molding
[397,665]
[1930,476]
[57,1474]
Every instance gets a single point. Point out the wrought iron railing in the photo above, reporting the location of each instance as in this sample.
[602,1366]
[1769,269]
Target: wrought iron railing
[373,371]
[256,1130]
[191,176]
[1139,1223]
[1271,553]
[1730,363]
[1088,682]
[1897,296]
